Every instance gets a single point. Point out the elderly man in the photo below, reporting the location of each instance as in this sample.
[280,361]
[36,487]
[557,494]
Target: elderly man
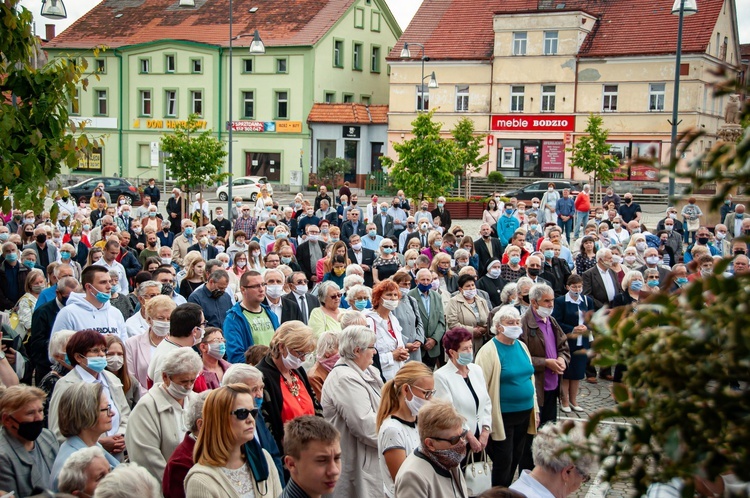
[213,298]
[442,213]
[601,282]
[733,221]
[410,226]
[433,318]
[183,241]
[175,210]
[82,471]
[554,270]
[327,213]
[202,244]
[12,276]
[676,224]
[384,222]
[487,248]
[740,265]
[651,255]
[399,216]
[45,253]
[674,239]
[372,240]
[702,238]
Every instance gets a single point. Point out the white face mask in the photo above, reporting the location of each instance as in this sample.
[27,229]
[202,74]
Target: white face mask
[641,246]
[291,362]
[300,289]
[274,291]
[513,332]
[114,363]
[415,403]
[160,328]
[177,391]
[389,304]
[544,312]
[470,294]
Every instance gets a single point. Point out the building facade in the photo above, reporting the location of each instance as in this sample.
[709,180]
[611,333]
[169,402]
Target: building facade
[163,62]
[530,73]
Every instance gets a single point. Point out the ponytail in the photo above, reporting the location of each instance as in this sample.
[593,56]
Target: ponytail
[390,400]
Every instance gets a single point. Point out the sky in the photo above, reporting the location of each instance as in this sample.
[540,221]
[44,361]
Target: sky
[403,10]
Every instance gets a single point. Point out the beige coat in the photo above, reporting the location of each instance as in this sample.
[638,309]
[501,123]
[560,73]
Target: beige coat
[180,248]
[210,482]
[458,313]
[418,478]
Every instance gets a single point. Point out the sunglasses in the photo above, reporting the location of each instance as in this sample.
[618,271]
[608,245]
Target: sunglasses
[453,440]
[243,413]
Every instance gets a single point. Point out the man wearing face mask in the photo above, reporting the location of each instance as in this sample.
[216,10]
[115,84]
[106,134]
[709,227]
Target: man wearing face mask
[601,282]
[442,213]
[309,252]
[733,221]
[12,276]
[186,329]
[92,309]
[352,226]
[363,257]
[676,224]
[702,238]
[674,239]
[554,270]
[284,309]
[507,225]
[629,210]
[45,253]
[652,261]
[410,228]
[432,315]
[213,298]
[422,233]
[183,241]
[371,240]
[165,276]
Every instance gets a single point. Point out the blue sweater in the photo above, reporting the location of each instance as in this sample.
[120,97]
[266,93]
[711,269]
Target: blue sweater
[238,334]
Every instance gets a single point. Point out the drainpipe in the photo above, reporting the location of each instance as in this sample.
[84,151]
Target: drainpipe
[221,86]
[118,54]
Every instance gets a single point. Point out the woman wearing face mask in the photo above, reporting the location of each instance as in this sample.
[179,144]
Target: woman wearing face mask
[140,348]
[239,266]
[358,297]
[434,245]
[468,311]
[389,340]
[327,354]
[410,260]
[617,263]
[508,370]
[408,315]
[325,317]
[638,241]
[60,366]
[338,269]
[212,348]
[27,236]
[512,271]
[386,263]
[254,258]
[157,424]
[492,283]
[491,215]
[35,284]
[633,286]
[630,259]
[401,398]
[462,383]
[117,364]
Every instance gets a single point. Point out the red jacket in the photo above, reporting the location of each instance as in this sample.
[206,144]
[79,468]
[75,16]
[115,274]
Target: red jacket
[178,465]
[583,202]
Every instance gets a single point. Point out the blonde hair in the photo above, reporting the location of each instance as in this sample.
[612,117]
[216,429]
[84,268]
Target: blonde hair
[160,302]
[391,393]
[216,438]
[440,258]
[16,397]
[294,335]
[437,416]
[411,253]
[191,260]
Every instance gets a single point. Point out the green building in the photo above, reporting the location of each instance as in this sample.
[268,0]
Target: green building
[165,60]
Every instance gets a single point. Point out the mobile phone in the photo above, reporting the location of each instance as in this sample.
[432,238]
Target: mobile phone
[7,342]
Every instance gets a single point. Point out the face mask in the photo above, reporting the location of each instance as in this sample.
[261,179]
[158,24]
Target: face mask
[274,291]
[636,285]
[720,235]
[115,289]
[465,358]
[703,240]
[11,257]
[291,362]
[739,216]
[534,272]
[514,332]
[628,200]
[423,226]
[160,327]
[114,363]
[36,289]
[238,204]
[357,246]
[390,304]
[126,214]
[4,237]
[470,294]
[653,283]
[673,216]
[616,259]
[177,391]
[494,273]
[652,260]
[411,225]
[681,281]
[286,260]
[217,293]
[423,287]
[217,350]
[548,254]
[300,290]
[280,235]
[75,239]
[438,243]
[29,431]
[189,231]
[29,264]
[41,238]
[543,312]
[372,233]
[203,241]
[435,285]
[97,363]
[449,458]
[312,237]
[29,221]
[388,250]
[508,212]
[360,304]
[461,264]
[630,259]
[122,202]
[442,271]
[103,297]
[641,246]
[415,403]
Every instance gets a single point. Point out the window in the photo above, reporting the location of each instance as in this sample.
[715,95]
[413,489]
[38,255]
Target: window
[550,42]
[357,57]
[169,64]
[196,102]
[281,65]
[338,53]
[101,102]
[282,105]
[609,102]
[423,97]
[548,98]
[365,99]
[375,59]
[75,103]
[196,65]
[248,105]
[145,65]
[462,98]
[101,66]
[656,96]
[516,98]
[359,18]
[348,98]
[330,97]
[145,102]
[375,21]
[170,99]
[519,43]
[247,65]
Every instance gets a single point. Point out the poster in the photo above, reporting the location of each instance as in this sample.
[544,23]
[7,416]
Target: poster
[553,156]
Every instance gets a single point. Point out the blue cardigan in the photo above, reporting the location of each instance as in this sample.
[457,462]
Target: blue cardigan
[237,332]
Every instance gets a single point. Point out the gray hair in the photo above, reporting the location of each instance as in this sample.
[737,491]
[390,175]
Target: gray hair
[324,288]
[240,373]
[67,283]
[356,289]
[524,282]
[194,412]
[461,253]
[602,253]
[73,476]
[629,276]
[650,271]
[352,280]
[274,270]
[218,275]
[114,274]
[181,361]
[58,269]
[128,480]
[351,338]
[9,245]
[538,291]
[506,312]
[556,447]
[147,285]
[505,294]
[354,269]
[327,343]
[57,344]
[351,317]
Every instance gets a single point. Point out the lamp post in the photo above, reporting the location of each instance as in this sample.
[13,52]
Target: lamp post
[54,9]
[681,8]
[406,54]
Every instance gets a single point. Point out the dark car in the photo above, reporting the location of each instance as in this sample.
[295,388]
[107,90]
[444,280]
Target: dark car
[537,189]
[115,187]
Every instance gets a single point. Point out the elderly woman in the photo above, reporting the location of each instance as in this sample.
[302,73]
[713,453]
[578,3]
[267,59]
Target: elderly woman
[35,284]
[60,366]
[287,392]
[513,270]
[128,479]
[87,354]
[157,424]
[467,311]
[350,399]
[633,287]
[140,348]
[630,261]
[492,283]
[386,263]
[556,472]
[523,287]
[82,472]
[137,324]
[434,244]
[651,275]
[327,354]
[462,383]
[433,470]
[325,318]
[27,449]
[389,339]
[358,297]
[117,364]
[85,414]
[122,302]
[225,464]
[212,349]
[68,253]
[508,370]
[441,264]
[638,240]
[409,317]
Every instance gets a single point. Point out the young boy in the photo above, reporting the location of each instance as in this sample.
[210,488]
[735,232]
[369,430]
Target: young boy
[313,457]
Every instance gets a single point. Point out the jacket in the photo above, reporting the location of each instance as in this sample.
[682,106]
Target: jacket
[534,340]
[445,217]
[214,309]
[368,257]
[210,482]
[138,354]
[5,303]
[434,324]
[384,342]
[52,253]
[506,227]
[290,306]
[38,341]
[459,313]
[238,334]
[451,386]
[378,221]
[178,466]
[70,446]
[350,402]
[484,255]
[593,286]
[153,433]
[410,319]
[180,246]
[420,478]
[17,470]
[303,258]
[347,230]
[79,314]
[211,251]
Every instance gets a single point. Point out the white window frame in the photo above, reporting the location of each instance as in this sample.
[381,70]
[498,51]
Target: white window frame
[145,65]
[146,96]
[421,91]
[609,98]
[196,97]
[517,98]
[170,103]
[550,42]
[357,49]
[101,97]
[462,98]
[170,63]
[548,98]
[245,101]
[520,41]
[656,97]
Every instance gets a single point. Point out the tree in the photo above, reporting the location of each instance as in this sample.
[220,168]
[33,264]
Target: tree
[331,170]
[36,135]
[426,163]
[194,158]
[591,153]
[468,147]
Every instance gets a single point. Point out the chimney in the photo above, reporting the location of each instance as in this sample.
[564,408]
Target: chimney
[49,31]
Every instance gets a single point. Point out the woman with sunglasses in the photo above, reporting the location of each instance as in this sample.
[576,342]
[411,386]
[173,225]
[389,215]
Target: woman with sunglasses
[229,461]
[325,318]
[386,264]
[402,397]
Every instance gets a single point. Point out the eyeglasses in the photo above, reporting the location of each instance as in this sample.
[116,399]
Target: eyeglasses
[262,230]
[107,409]
[300,354]
[243,413]
[584,477]
[453,440]
[256,286]
[335,296]
[428,394]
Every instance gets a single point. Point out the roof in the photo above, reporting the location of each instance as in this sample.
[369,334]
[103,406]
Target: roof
[462,29]
[287,23]
[348,114]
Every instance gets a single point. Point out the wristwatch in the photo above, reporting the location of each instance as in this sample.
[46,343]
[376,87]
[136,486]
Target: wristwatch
[2,355]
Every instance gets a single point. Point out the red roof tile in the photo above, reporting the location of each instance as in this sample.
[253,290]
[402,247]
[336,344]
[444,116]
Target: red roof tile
[462,29]
[280,23]
[348,114]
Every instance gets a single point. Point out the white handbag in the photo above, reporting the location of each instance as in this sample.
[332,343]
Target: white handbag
[478,475]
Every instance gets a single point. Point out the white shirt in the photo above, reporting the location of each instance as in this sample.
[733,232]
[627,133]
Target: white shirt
[385,343]
[89,379]
[530,487]
[608,283]
[276,308]
[136,325]
[122,278]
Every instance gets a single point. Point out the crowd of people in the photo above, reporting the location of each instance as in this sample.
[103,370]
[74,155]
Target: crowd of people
[322,347]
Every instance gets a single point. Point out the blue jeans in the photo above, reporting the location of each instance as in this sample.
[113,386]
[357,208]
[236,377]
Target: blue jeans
[567,226]
[582,217]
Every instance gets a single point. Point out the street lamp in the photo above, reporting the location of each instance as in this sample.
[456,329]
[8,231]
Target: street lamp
[680,8]
[53,9]
[406,54]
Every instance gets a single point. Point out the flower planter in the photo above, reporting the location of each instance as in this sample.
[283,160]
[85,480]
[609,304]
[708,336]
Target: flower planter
[475,210]
[458,210]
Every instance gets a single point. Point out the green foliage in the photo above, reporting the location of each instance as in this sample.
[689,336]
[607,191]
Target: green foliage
[331,170]
[591,153]
[36,137]
[468,149]
[426,163]
[496,178]
[195,158]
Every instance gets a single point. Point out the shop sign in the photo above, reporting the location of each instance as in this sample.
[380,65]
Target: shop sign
[289,126]
[539,122]
[158,124]
[490,140]
[351,131]
[256,126]
[553,156]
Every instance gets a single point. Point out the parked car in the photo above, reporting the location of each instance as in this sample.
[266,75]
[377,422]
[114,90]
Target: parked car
[112,185]
[537,189]
[247,187]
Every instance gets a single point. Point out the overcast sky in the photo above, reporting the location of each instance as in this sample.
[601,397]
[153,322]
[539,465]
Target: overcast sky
[403,10]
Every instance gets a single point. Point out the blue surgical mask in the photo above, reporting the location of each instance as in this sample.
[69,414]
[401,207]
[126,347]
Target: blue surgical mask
[535,227]
[11,257]
[515,260]
[423,287]
[388,250]
[653,283]
[96,363]
[280,235]
[465,358]
[103,297]
[67,360]
[508,212]
[29,264]
[372,233]
[383,210]
[65,254]
[189,231]
[438,243]
[258,403]
[115,289]
[681,281]
[636,285]
[286,260]
[360,304]
[549,254]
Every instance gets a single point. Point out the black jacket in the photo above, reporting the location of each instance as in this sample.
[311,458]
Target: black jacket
[557,275]
[445,217]
[38,340]
[290,305]
[303,258]
[493,287]
[211,251]
[347,230]
[368,257]
[5,302]
[484,255]
[153,193]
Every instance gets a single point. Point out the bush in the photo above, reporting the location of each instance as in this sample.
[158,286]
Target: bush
[496,178]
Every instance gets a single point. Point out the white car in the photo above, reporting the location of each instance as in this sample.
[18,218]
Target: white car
[247,187]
